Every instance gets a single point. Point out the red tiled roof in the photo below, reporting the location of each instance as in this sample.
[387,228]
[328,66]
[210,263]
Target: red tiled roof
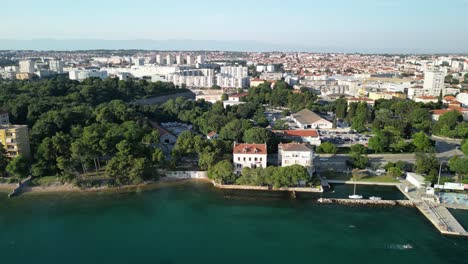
[301,133]
[361,99]
[242,148]
[212,133]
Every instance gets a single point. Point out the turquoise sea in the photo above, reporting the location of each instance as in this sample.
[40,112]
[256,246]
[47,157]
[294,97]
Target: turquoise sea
[195,223]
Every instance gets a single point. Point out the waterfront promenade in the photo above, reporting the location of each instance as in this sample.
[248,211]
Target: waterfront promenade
[436,213]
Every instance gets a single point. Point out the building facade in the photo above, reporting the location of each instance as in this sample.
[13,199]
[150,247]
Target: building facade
[15,140]
[56,66]
[249,156]
[306,119]
[296,154]
[26,66]
[434,81]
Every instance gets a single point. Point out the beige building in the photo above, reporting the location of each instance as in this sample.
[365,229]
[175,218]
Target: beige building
[296,154]
[15,140]
[24,76]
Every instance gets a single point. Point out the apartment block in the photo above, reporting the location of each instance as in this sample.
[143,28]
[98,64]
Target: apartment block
[15,140]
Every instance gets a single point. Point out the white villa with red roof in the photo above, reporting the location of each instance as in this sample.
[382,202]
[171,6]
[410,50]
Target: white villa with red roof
[249,155]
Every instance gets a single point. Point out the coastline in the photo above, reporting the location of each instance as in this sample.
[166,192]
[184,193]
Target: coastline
[69,188]
[365,183]
[266,188]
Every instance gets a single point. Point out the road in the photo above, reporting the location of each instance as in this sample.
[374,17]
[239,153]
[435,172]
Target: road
[445,150]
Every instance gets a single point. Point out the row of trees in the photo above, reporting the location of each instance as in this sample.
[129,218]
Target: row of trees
[79,127]
[276,177]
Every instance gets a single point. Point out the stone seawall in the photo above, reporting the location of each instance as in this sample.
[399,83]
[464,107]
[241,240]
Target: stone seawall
[266,188]
[185,174]
[359,202]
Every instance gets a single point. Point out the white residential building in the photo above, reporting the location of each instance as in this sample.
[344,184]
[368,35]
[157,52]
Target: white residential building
[56,66]
[434,81]
[26,66]
[235,71]
[81,75]
[179,60]
[224,81]
[159,59]
[296,153]
[190,60]
[250,156]
[200,59]
[169,59]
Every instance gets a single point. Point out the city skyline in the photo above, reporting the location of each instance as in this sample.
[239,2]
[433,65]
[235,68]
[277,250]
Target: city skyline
[312,26]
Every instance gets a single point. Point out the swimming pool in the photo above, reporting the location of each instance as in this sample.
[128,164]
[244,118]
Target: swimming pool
[453,198]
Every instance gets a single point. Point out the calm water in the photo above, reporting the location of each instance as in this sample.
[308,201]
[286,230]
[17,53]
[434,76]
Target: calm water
[193,223]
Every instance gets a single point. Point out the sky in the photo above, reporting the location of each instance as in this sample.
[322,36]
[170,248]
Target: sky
[378,26]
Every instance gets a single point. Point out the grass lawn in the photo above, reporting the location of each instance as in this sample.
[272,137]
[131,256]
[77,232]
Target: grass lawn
[44,181]
[383,178]
[333,175]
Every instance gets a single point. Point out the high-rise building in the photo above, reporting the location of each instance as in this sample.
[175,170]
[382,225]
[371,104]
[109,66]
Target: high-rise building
[434,81]
[139,61]
[190,60]
[56,66]
[200,59]
[235,71]
[159,59]
[169,59]
[179,60]
[26,66]
[15,140]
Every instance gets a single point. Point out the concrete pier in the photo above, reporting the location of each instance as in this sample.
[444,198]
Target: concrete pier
[437,214]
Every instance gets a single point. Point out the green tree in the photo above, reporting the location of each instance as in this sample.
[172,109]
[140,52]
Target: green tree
[459,165]
[360,119]
[327,147]
[341,105]
[358,148]
[422,142]
[394,172]
[359,161]
[18,167]
[447,123]
[222,172]
[257,135]
[464,147]
[3,160]
[427,164]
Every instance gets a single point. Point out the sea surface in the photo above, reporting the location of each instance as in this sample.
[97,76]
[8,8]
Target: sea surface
[195,223]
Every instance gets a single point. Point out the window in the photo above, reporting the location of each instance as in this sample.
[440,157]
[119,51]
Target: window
[250,159]
[261,159]
[238,158]
[244,158]
[256,158]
